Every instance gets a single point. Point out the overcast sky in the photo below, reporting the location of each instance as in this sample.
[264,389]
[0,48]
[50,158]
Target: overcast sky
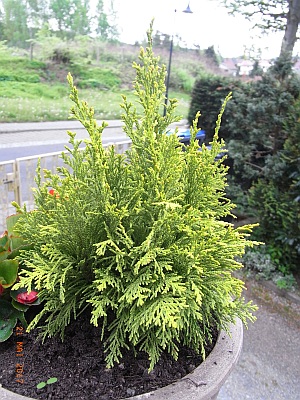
[209,25]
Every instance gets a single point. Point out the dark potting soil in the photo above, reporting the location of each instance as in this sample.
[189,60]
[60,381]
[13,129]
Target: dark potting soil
[78,363]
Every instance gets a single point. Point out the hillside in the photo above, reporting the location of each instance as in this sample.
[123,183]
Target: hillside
[37,90]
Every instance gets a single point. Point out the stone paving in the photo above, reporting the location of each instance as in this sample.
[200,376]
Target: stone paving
[269,367]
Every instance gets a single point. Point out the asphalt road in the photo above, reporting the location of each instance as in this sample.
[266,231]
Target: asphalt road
[27,139]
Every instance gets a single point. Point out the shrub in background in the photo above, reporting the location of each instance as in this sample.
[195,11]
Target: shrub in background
[256,120]
[276,199]
[181,80]
[264,136]
[261,131]
[260,265]
[137,240]
[207,97]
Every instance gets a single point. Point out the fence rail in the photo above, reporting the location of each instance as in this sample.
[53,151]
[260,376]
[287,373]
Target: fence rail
[17,178]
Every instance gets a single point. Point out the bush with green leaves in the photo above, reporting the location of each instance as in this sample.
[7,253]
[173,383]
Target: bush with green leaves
[136,240]
[181,80]
[259,262]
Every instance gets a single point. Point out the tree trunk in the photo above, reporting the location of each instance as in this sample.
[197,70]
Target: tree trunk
[292,22]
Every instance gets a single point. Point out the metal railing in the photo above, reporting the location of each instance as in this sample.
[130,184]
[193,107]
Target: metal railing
[17,179]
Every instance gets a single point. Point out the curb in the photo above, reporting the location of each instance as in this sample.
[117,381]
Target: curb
[291,296]
[15,127]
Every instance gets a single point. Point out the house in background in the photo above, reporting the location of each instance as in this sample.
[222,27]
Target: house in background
[245,67]
[265,65]
[242,67]
[228,66]
[296,67]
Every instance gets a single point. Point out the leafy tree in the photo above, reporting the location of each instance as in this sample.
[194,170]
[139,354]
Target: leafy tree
[80,21]
[106,29]
[60,11]
[15,29]
[278,15]
[21,19]
[256,70]
[71,16]
[1,23]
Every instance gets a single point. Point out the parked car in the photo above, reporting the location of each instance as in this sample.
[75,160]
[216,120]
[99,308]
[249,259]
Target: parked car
[185,137]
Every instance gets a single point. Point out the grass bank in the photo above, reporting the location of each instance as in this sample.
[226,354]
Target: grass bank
[37,90]
[42,108]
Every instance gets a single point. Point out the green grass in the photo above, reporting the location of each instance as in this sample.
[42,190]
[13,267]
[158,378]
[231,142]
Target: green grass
[20,69]
[43,107]
[35,91]
[38,91]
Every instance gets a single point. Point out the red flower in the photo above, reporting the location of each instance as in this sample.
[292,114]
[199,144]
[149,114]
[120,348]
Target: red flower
[27,298]
[54,193]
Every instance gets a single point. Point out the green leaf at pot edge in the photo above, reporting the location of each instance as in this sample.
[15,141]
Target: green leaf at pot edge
[19,306]
[9,315]
[8,319]
[9,271]
[4,242]
[7,328]
[11,222]
[4,255]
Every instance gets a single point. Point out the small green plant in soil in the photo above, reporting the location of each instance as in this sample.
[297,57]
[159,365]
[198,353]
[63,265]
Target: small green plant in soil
[136,240]
[50,381]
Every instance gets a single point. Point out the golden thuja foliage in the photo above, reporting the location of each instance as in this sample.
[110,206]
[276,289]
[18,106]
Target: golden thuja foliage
[137,240]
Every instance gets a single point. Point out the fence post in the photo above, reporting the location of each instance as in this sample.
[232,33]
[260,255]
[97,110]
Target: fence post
[17,194]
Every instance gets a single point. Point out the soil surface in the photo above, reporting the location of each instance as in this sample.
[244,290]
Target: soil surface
[78,363]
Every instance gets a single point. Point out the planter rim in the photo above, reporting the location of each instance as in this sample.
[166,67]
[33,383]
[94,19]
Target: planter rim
[204,383]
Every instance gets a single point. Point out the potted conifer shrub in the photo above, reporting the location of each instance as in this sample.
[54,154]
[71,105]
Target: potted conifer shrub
[138,241]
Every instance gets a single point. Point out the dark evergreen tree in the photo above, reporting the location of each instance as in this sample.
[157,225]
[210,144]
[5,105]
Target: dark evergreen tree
[264,144]
[211,55]
[207,97]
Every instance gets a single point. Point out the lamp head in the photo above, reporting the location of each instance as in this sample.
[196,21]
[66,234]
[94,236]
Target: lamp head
[188,10]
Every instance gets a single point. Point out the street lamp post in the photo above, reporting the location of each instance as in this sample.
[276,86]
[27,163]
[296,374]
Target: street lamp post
[187,11]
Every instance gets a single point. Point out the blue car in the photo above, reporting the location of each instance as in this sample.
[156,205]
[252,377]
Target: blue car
[185,136]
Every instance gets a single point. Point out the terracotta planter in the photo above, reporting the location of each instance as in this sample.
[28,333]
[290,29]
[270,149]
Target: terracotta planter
[204,383]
